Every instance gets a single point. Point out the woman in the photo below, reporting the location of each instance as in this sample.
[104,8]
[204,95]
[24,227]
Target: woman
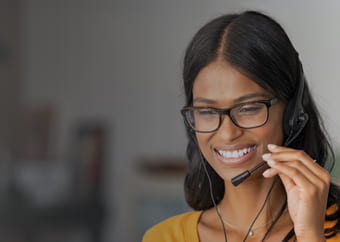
[247,102]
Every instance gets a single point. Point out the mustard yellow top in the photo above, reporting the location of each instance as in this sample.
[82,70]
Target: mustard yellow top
[183,227]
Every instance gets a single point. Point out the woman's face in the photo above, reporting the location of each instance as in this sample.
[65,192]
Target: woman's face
[221,86]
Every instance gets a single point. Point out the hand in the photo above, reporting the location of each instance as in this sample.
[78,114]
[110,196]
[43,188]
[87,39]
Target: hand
[307,185]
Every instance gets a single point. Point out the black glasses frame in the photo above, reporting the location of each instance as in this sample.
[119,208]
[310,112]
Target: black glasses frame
[227,111]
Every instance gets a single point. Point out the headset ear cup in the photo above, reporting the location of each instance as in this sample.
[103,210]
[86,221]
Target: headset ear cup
[288,118]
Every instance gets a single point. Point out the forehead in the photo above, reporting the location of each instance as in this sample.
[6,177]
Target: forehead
[220,82]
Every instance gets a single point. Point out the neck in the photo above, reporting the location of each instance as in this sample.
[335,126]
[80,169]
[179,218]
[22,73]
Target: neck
[241,204]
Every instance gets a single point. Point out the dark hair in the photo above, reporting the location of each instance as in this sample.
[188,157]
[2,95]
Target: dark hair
[258,47]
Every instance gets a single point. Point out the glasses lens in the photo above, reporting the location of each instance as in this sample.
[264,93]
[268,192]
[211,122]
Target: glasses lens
[250,115]
[203,119]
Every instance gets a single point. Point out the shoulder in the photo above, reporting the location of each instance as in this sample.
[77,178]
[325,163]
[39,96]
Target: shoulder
[330,223]
[181,227]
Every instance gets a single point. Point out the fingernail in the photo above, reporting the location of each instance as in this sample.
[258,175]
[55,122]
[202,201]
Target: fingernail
[266,172]
[271,146]
[266,156]
[271,162]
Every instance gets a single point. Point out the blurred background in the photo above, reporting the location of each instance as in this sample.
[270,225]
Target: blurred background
[92,145]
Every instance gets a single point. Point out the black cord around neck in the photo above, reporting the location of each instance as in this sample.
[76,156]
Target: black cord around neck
[211,189]
[215,205]
[287,237]
[290,234]
[260,211]
[276,219]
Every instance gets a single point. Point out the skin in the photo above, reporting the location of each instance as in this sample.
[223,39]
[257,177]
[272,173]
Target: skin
[307,186]
[304,183]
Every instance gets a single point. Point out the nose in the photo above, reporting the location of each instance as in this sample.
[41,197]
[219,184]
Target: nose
[228,131]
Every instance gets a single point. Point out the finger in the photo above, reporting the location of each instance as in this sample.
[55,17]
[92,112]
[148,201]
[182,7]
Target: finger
[284,153]
[288,183]
[271,172]
[294,155]
[306,172]
[301,161]
[293,173]
[278,148]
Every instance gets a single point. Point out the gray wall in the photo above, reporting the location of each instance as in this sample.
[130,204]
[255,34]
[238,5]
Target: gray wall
[9,71]
[121,61]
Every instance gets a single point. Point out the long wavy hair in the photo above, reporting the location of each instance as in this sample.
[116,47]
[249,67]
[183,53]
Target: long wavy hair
[258,47]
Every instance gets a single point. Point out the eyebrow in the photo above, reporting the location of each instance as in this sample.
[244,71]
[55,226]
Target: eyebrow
[237,100]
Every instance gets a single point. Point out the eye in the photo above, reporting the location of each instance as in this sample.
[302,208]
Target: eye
[251,108]
[205,113]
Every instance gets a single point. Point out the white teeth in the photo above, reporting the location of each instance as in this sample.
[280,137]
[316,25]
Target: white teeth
[236,153]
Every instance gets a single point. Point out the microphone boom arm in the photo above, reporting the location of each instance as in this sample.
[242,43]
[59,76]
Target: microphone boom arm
[241,177]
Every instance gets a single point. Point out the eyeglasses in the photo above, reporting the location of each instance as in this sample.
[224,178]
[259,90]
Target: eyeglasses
[245,115]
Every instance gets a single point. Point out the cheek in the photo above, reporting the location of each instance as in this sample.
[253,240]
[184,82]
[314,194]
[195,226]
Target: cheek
[273,130]
[203,142]
[272,134]
[202,139]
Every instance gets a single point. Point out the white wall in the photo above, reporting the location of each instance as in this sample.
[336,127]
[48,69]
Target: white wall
[121,61]
[312,27]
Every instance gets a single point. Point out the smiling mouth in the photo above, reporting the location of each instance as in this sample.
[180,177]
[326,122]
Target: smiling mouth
[232,154]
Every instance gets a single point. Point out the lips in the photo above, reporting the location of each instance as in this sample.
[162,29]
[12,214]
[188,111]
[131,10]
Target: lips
[235,155]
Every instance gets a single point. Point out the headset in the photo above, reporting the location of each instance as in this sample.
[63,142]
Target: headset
[295,119]
[294,124]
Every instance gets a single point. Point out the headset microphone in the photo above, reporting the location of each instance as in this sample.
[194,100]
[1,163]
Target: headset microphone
[292,127]
[244,175]
[241,177]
